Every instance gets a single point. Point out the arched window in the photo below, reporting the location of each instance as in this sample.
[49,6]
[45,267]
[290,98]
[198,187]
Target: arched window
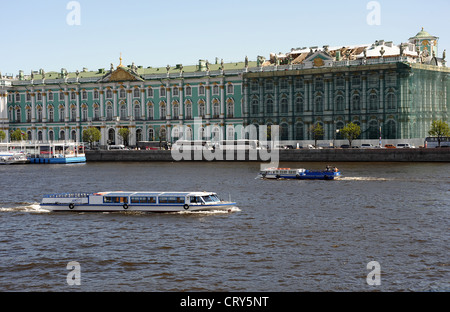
[189,110]
[340,106]
[373,131]
[62,113]
[230,133]
[150,112]
[122,93]
[73,113]
[151,134]
[284,131]
[62,135]
[18,115]
[269,106]
[188,91]
[109,94]
[51,135]
[112,136]
[299,104]
[373,101]
[28,111]
[162,91]
[391,100]
[162,110]
[356,102]
[339,126]
[51,114]
[201,90]
[176,110]
[299,131]
[39,114]
[216,134]
[96,112]
[136,92]
[255,106]
[216,109]
[84,113]
[109,112]
[201,109]
[391,129]
[319,103]
[74,135]
[230,109]
[162,134]
[123,111]
[137,111]
[284,105]
[138,135]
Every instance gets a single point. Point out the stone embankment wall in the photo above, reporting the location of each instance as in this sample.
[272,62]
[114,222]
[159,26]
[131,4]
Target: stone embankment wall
[300,155]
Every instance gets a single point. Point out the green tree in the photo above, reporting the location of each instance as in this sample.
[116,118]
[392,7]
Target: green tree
[351,131]
[18,135]
[124,133]
[2,135]
[317,133]
[439,129]
[91,135]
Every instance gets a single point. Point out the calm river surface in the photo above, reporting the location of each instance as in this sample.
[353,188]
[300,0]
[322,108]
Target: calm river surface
[287,236]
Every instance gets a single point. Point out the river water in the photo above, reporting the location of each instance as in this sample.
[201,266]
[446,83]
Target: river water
[286,236]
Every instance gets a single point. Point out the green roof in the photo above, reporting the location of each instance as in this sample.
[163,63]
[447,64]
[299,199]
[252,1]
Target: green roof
[423,34]
[144,70]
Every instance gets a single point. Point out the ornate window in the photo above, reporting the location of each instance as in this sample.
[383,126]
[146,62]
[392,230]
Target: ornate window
[299,104]
[356,102]
[373,101]
[188,91]
[284,105]
[299,131]
[188,110]
[269,106]
[391,100]
[162,91]
[136,92]
[150,112]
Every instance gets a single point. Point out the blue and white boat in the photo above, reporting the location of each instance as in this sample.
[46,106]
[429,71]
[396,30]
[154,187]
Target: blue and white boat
[135,201]
[57,153]
[53,152]
[330,173]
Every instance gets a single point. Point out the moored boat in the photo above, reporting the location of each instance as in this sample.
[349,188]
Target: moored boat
[53,152]
[330,173]
[13,158]
[135,201]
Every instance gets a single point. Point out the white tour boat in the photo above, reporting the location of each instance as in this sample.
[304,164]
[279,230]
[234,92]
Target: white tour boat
[135,201]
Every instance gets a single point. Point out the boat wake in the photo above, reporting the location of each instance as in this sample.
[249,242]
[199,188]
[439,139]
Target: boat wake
[24,207]
[363,179]
[207,212]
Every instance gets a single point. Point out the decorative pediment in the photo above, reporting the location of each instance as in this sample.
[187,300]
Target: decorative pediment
[318,59]
[121,74]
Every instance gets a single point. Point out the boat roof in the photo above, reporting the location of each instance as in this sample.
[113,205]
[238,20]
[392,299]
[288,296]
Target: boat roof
[150,193]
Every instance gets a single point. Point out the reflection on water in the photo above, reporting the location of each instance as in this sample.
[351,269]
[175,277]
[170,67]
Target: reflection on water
[286,235]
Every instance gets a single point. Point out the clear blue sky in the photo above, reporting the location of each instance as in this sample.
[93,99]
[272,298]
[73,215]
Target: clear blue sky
[35,34]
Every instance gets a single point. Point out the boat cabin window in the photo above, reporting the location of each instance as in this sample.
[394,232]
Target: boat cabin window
[171,199]
[210,199]
[196,200]
[115,199]
[143,200]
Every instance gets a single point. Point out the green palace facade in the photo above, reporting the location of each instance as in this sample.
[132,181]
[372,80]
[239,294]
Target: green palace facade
[392,91]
